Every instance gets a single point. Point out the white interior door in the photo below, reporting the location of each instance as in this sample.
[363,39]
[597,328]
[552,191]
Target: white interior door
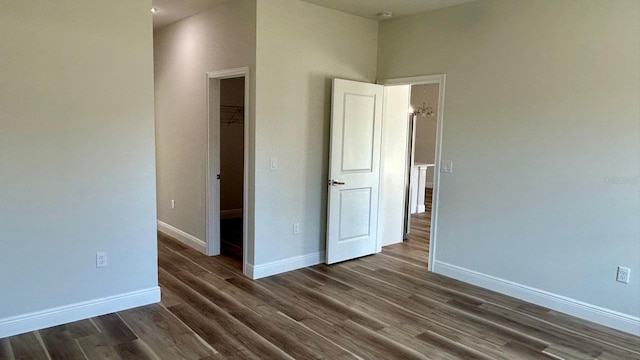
[354,170]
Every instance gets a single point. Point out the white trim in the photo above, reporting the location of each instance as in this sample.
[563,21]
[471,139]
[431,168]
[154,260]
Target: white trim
[429,185]
[183,237]
[597,314]
[280,266]
[212,236]
[82,310]
[230,214]
[413,80]
[441,80]
[213,164]
[249,272]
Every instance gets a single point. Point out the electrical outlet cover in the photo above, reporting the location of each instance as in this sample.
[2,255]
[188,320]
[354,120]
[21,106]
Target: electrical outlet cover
[623,274]
[101,259]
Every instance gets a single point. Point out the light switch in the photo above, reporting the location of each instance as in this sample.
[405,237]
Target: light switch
[273,164]
[446,166]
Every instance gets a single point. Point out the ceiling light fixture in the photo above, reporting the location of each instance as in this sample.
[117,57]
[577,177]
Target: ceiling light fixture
[424,110]
[385,15]
[154,10]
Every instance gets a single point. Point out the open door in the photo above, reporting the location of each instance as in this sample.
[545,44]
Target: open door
[354,170]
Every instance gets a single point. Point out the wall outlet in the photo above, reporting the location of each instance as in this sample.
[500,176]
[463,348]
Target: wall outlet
[173,204]
[623,274]
[296,228]
[101,259]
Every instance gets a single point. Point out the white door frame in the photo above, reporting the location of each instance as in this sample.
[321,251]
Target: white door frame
[213,160]
[439,79]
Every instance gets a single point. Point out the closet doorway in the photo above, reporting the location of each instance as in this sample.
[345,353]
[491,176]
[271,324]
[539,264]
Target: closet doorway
[227,221]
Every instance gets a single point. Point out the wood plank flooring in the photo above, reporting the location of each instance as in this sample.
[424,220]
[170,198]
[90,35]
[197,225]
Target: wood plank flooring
[385,306]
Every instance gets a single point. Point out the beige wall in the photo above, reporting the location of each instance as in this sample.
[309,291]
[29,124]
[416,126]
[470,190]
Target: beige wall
[219,39]
[231,146]
[300,48]
[76,157]
[541,109]
[425,131]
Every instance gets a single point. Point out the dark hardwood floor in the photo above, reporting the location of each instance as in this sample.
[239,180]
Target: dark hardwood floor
[384,306]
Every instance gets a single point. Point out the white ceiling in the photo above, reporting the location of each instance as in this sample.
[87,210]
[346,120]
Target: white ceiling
[371,8]
[170,11]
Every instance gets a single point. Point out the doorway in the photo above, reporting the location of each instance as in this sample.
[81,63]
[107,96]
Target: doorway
[231,165]
[425,104]
[227,175]
[370,192]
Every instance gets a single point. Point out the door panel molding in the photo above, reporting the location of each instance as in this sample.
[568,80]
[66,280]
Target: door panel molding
[361,213]
[363,141]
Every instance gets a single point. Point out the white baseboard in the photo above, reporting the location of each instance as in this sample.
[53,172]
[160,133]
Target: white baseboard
[248,271]
[421,209]
[606,317]
[83,310]
[183,237]
[428,185]
[280,266]
[230,214]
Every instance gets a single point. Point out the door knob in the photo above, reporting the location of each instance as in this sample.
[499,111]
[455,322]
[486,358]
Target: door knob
[335,183]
